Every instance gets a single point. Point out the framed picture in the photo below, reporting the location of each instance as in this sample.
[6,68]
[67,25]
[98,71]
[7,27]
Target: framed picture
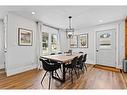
[25,37]
[83,41]
[74,41]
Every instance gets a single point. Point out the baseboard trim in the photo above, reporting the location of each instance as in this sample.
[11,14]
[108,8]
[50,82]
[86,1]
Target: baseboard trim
[106,68]
[20,70]
[1,66]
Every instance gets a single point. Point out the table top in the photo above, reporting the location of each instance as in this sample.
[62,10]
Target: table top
[61,57]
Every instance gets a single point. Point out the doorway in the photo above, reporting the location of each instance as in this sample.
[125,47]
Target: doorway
[106,47]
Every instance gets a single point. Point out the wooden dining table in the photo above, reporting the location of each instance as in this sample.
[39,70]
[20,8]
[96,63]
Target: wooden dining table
[63,59]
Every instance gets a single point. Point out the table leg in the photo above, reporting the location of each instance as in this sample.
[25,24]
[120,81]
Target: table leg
[64,73]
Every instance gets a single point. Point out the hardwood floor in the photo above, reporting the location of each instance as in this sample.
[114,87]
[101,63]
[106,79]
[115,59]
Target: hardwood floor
[94,78]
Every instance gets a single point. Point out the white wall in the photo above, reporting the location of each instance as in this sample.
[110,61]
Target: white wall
[1,45]
[19,58]
[91,50]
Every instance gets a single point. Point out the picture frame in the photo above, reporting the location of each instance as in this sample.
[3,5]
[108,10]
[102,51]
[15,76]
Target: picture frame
[74,42]
[25,37]
[83,40]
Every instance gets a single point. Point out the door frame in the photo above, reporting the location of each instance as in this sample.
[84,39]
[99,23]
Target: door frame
[115,43]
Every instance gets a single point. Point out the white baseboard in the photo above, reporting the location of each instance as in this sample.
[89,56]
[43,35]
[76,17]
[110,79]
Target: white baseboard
[21,69]
[1,66]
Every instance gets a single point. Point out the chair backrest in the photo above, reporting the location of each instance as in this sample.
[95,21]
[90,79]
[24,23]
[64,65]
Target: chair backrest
[46,65]
[80,59]
[59,52]
[70,51]
[74,62]
[84,58]
[52,54]
[80,52]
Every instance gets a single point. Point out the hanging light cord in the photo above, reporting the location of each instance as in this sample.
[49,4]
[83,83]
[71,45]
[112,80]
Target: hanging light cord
[70,21]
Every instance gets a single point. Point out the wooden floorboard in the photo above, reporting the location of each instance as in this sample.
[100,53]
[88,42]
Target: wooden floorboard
[94,78]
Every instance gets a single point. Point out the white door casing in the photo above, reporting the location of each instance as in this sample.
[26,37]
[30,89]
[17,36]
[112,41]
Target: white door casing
[106,47]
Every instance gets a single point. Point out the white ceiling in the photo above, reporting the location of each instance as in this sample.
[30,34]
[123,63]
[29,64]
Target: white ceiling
[82,16]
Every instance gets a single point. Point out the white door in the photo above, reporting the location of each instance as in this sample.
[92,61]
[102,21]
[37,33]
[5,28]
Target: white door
[105,47]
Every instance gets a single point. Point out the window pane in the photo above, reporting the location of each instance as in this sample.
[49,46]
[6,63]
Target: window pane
[54,38]
[45,46]
[45,39]
[105,40]
[54,42]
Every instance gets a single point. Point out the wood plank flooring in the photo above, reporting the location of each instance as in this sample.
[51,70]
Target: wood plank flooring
[94,78]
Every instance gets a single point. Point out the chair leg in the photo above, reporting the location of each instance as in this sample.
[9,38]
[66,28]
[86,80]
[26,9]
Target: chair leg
[72,75]
[85,67]
[57,74]
[76,72]
[61,70]
[69,72]
[53,73]
[66,69]
[50,79]
[43,77]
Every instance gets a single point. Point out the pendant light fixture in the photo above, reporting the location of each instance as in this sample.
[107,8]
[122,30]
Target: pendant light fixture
[70,30]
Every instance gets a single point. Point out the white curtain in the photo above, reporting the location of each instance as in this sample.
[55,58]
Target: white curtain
[39,45]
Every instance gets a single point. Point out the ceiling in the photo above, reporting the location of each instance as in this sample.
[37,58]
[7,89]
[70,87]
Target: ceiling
[57,16]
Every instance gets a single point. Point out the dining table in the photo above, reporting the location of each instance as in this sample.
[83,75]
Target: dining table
[62,59]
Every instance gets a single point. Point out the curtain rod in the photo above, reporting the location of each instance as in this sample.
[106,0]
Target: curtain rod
[51,26]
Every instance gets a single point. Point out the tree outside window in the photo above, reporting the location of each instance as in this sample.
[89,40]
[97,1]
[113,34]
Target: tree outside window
[45,40]
[54,43]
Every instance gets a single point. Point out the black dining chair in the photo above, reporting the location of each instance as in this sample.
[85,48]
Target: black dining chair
[84,61]
[52,54]
[79,64]
[72,67]
[81,52]
[51,68]
[59,52]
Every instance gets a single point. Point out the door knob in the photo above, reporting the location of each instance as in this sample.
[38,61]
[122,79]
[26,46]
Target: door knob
[96,50]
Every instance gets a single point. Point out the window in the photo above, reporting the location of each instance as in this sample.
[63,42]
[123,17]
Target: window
[105,40]
[50,41]
[45,40]
[54,43]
